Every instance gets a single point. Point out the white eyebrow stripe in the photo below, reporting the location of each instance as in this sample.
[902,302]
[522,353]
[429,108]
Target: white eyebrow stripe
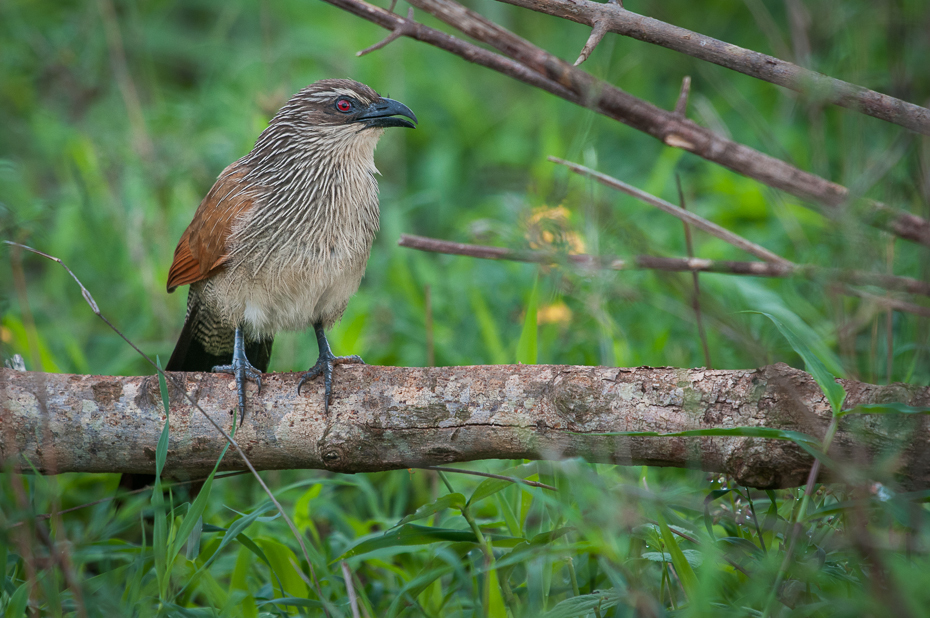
[337,92]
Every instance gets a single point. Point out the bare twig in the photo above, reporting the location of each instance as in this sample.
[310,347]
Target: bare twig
[597,33]
[696,296]
[810,83]
[688,217]
[500,477]
[890,303]
[537,67]
[350,589]
[652,262]
[681,106]
[403,28]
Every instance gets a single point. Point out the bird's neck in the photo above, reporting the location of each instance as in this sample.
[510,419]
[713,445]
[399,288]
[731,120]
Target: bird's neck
[320,184]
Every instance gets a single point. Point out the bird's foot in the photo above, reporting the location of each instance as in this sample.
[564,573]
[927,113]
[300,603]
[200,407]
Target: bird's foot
[324,366]
[242,369]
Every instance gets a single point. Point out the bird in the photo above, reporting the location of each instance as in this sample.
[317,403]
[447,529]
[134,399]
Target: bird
[282,239]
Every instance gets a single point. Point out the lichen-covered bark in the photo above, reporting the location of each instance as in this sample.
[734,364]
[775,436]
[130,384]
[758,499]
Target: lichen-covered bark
[390,417]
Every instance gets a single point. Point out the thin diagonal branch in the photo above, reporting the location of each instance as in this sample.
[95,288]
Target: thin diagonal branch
[537,67]
[688,217]
[761,66]
[890,303]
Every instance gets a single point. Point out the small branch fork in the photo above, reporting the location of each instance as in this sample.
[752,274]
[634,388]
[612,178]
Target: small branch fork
[406,27]
[532,65]
[610,17]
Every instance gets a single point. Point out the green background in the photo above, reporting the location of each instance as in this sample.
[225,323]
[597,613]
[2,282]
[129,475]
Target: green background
[116,118]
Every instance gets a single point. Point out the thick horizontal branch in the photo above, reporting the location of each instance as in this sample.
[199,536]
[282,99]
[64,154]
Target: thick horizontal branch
[669,264]
[385,418]
[537,67]
[614,18]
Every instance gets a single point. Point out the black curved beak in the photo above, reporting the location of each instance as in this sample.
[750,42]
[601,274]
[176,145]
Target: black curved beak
[382,113]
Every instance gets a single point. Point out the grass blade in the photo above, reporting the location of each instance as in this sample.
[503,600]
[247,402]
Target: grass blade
[526,347]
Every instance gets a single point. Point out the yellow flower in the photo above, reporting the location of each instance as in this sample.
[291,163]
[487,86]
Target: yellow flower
[556,313]
[551,226]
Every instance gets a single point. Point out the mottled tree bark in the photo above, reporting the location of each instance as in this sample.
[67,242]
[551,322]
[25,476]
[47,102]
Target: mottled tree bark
[385,418]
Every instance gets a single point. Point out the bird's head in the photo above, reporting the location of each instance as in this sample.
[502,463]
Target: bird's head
[346,103]
[331,118]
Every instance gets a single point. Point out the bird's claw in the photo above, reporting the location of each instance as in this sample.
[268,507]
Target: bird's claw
[324,366]
[242,369]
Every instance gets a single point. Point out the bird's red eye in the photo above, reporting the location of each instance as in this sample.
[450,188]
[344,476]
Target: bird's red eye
[344,105]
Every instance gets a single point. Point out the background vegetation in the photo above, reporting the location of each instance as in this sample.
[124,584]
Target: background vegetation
[115,119]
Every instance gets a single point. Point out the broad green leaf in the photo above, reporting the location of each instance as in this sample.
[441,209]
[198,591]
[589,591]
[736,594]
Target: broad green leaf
[192,518]
[192,549]
[284,562]
[510,518]
[694,557]
[412,534]
[415,586]
[496,607]
[237,528]
[449,501]
[194,514]
[17,605]
[250,545]
[489,487]
[683,568]
[717,493]
[826,380]
[584,605]
[884,408]
[526,347]
[734,541]
[239,604]
[541,543]
[833,508]
[294,602]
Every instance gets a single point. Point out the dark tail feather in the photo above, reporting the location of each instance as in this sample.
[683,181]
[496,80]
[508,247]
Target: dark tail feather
[203,344]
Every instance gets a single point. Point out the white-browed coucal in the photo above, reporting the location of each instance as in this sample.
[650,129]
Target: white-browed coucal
[282,239]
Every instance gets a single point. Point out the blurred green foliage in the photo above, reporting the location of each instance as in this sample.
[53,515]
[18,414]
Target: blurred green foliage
[117,116]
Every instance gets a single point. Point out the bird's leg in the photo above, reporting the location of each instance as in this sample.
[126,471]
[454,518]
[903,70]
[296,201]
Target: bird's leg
[324,365]
[242,369]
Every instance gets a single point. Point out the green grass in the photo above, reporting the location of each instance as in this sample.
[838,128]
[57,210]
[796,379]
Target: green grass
[86,179]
